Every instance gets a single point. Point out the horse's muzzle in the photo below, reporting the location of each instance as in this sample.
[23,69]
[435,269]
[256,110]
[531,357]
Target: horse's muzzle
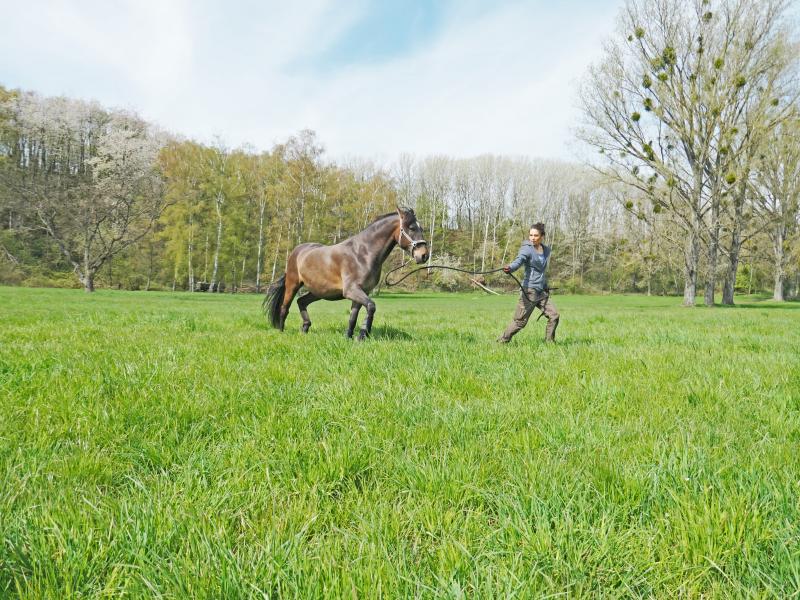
[421,254]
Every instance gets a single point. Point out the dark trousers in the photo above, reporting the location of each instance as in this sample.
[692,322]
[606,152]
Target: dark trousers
[525,306]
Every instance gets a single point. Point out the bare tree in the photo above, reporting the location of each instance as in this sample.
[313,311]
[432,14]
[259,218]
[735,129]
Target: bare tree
[764,60]
[667,96]
[88,176]
[779,194]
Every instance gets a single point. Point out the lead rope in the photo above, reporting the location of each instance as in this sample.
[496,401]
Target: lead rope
[468,272]
[546,292]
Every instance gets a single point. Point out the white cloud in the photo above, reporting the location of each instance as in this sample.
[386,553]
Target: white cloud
[502,81]
[503,84]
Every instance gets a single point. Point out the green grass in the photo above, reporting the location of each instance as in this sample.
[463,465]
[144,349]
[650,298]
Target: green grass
[171,445]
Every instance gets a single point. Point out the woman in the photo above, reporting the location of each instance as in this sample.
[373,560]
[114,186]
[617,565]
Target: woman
[535,256]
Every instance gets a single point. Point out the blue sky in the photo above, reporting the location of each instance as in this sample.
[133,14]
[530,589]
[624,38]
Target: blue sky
[374,79]
[384,30]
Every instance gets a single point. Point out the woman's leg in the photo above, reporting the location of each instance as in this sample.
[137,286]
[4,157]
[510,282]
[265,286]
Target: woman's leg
[551,314]
[521,315]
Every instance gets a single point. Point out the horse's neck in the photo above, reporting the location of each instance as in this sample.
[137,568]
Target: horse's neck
[380,238]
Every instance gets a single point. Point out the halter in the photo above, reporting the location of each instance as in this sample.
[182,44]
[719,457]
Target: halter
[414,243]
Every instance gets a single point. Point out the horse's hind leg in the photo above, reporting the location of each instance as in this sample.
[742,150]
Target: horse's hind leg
[353,318]
[292,286]
[302,304]
[356,294]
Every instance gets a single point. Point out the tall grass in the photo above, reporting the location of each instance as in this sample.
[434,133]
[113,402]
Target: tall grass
[173,446]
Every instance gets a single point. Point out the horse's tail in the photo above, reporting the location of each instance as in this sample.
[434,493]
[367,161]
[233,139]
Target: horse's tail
[273,300]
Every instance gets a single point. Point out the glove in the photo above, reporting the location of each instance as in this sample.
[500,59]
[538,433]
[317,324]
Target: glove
[506,269]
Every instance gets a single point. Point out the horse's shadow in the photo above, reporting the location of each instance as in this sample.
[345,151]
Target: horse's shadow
[387,332]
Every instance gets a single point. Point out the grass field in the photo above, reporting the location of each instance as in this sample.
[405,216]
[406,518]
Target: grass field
[171,445]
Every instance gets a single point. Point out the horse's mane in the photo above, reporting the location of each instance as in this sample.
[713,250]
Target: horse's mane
[390,214]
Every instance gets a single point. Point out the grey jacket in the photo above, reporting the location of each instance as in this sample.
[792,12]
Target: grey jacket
[535,265]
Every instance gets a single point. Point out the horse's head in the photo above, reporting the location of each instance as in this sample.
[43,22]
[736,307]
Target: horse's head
[410,235]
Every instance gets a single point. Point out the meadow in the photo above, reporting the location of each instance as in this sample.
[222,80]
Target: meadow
[173,446]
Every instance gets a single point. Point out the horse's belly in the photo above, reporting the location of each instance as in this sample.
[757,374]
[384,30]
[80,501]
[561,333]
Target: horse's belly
[324,293]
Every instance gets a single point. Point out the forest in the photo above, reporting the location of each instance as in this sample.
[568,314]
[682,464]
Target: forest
[689,185]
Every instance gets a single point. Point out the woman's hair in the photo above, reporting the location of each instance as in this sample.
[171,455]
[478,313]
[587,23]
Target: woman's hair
[538,227]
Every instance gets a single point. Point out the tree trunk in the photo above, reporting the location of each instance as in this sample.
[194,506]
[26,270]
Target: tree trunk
[205,260]
[508,241]
[777,243]
[233,267]
[149,268]
[86,275]
[260,245]
[729,286]
[241,273]
[430,246]
[190,267]
[472,238]
[692,254]
[692,251]
[87,279]
[444,226]
[485,241]
[301,220]
[339,213]
[713,253]
[219,244]
[494,235]
[277,250]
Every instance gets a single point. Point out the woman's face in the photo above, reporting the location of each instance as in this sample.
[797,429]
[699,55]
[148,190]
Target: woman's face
[535,237]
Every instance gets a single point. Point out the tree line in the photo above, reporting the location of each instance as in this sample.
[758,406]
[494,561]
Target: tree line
[692,111]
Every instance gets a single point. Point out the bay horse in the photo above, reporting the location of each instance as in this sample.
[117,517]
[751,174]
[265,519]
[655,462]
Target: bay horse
[349,269]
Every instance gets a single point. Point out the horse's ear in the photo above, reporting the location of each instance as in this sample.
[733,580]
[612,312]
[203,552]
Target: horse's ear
[399,211]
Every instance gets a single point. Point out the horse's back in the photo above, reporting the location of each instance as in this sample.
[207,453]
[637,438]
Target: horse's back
[312,253]
[302,249]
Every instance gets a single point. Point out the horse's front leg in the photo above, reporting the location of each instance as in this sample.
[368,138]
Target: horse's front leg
[356,294]
[353,318]
[367,329]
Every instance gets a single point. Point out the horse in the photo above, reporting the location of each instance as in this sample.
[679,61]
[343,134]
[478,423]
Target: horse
[349,269]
